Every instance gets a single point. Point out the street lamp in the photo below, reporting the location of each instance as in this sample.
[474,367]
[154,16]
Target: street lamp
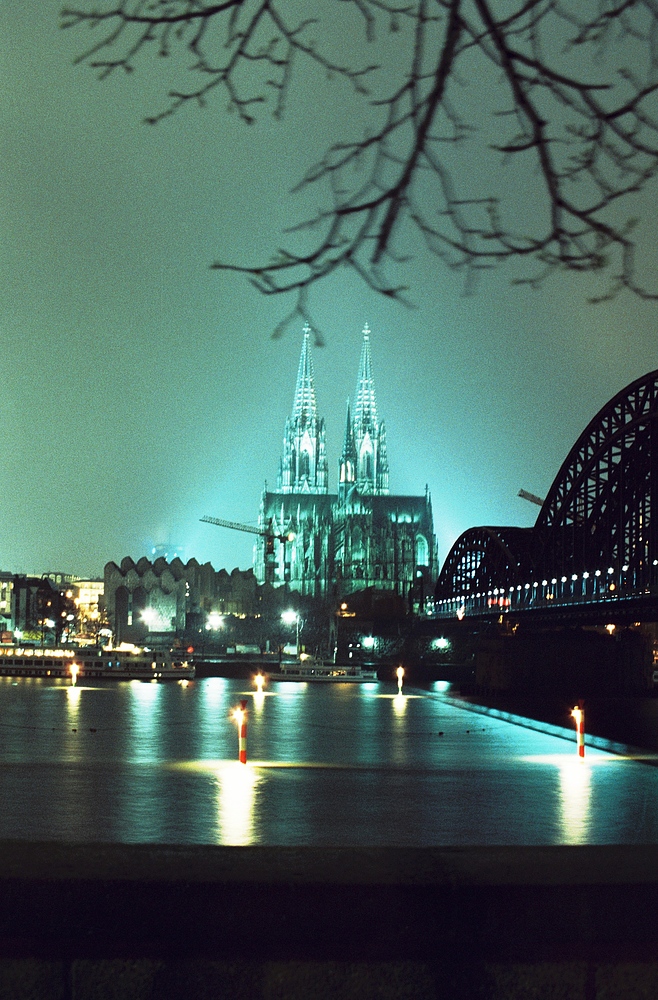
[149,616]
[291,617]
[215,621]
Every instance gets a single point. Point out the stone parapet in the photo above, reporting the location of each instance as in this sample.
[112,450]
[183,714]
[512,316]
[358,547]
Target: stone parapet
[488,922]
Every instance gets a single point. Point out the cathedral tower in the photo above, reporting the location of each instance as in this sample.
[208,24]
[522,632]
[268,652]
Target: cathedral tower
[369,434]
[328,545]
[303,466]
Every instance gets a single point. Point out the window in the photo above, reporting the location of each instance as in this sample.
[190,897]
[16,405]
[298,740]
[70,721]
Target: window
[422,551]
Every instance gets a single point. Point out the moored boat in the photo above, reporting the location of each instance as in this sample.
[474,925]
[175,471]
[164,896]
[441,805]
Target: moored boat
[122,664]
[309,669]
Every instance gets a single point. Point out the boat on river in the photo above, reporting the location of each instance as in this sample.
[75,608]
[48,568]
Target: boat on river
[125,663]
[310,669]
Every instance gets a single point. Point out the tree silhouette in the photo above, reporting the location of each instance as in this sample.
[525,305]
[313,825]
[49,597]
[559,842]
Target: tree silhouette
[560,92]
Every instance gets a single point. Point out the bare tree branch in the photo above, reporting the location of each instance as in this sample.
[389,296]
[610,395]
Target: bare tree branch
[563,96]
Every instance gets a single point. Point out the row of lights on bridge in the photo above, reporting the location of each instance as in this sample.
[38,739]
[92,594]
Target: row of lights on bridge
[501,590]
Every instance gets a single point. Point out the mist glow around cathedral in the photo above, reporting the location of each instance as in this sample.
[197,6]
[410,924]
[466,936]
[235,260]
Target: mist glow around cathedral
[332,544]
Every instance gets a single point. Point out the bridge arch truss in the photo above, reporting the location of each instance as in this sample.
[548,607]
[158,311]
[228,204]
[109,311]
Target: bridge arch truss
[596,536]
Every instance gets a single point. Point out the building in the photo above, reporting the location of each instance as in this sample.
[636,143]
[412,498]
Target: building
[332,544]
[6,596]
[170,599]
[39,609]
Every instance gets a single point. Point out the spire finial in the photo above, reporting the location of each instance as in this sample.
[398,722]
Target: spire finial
[304,403]
[365,407]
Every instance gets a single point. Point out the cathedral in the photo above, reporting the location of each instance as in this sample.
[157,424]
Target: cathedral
[324,544]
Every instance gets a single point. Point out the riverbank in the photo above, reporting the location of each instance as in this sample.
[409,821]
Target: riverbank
[628,720]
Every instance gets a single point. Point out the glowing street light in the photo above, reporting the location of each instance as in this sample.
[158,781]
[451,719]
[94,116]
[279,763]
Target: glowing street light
[400,674]
[215,621]
[291,617]
[149,616]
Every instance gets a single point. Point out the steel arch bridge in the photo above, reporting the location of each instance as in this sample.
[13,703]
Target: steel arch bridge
[594,542]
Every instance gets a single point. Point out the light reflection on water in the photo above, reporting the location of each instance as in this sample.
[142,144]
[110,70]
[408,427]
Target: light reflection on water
[575,796]
[327,764]
[145,718]
[236,795]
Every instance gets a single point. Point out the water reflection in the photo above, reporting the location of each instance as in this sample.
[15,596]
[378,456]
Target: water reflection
[73,695]
[236,797]
[400,705]
[575,795]
[259,693]
[145,716]
[73,704]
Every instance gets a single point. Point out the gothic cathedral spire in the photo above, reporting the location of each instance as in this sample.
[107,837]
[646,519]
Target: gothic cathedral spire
[303,467]
[347,464]
[369,434]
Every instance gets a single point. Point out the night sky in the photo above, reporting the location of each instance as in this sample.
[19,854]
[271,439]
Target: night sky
[142,390]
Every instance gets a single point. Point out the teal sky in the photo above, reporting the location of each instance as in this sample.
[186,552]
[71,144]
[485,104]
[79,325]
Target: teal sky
[141,390]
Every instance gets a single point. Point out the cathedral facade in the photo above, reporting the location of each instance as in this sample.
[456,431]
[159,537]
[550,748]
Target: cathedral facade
[326,544]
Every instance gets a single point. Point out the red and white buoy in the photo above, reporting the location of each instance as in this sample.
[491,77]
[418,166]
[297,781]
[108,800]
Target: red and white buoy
[240,716]
[578,713]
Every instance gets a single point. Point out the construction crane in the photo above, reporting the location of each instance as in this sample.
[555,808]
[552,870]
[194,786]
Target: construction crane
[532,497]
[269,534]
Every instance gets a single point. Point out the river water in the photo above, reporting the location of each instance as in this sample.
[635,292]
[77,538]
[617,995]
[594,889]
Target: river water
[327,764]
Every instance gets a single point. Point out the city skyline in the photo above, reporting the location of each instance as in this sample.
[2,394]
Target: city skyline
[142,390]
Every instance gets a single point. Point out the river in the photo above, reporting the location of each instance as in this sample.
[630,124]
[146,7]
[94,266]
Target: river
[342,764]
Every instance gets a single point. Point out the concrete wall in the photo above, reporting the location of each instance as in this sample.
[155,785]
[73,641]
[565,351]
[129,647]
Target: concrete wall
[83,921]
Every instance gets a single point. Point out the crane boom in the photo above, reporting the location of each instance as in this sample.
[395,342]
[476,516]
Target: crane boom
[237,526]
[532,497]
[269,536]
[234,524]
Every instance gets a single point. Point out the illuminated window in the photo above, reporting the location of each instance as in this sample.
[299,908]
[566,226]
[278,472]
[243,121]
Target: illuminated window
[422,551]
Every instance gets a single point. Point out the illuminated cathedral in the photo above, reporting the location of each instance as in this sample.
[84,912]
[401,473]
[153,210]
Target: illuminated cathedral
[326,544]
